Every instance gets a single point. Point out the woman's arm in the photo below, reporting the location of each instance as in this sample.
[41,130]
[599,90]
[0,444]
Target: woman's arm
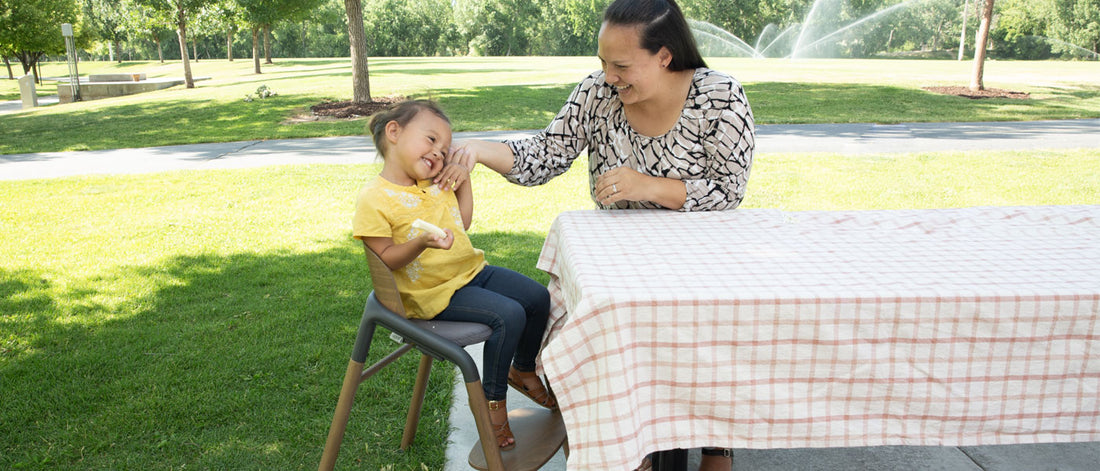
[535,160]
[729,143]
[495,155]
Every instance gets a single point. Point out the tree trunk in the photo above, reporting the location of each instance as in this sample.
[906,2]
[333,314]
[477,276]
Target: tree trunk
[181,31]
[962,36]
[305,42]
[229,43]
[267,44]
[195,49]
[160,50]
[256,48]
[7,64]
[118,50]
[357,35]
[29,61]
[976,79]
[25,61]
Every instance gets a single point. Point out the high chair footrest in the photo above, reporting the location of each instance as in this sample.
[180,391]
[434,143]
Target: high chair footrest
[539,434]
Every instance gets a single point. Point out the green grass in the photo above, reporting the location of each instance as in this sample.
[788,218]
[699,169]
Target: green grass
[520,93]
[203,319]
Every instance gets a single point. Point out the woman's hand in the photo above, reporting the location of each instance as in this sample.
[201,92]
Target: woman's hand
[621,184]
[464,153]
[627,184]
[452,176]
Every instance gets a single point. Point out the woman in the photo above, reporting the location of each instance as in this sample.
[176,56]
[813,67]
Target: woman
[662,130]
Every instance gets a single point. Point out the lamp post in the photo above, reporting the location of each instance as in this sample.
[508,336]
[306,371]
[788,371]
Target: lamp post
[70,48]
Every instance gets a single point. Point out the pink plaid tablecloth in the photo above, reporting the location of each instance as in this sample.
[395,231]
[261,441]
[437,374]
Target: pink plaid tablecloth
[771,329]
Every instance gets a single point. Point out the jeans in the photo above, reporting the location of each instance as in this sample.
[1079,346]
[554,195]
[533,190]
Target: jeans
[516,308]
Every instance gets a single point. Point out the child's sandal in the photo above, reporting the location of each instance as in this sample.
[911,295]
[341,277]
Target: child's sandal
[505,439]
[539,394]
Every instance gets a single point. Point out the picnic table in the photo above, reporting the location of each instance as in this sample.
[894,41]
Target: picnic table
[771,329]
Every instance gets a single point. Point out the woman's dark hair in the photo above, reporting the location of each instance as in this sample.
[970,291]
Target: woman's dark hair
[663,25]
[402,113]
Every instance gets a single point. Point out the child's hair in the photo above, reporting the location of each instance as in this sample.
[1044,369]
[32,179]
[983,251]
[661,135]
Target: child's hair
[402,113]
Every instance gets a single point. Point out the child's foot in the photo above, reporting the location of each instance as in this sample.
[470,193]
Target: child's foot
[498,417]
[529,384]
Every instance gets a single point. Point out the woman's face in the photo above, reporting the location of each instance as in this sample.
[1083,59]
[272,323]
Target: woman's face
[630,68]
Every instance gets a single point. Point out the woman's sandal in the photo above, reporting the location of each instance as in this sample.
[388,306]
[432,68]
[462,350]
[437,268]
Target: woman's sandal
[540,394]
[723,452]
[505,440]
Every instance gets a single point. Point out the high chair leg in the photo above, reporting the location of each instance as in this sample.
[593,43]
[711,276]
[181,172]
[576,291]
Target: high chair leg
[340,417]
[479,406]
[417,403]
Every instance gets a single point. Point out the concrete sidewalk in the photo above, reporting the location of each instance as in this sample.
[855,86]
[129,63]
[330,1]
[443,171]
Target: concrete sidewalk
[836,138]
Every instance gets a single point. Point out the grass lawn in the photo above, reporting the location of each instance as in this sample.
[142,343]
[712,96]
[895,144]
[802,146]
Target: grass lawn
[519,93]
[203,319]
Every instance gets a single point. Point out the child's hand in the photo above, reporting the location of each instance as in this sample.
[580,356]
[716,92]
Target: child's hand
[452,176]
[444,243]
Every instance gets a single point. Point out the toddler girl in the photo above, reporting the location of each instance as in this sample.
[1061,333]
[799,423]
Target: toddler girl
[445,277]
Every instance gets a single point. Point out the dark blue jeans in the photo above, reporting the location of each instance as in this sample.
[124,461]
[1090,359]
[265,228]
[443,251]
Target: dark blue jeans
[516,308]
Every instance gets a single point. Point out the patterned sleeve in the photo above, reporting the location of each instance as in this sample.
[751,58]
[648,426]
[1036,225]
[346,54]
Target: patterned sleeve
[729,143]
[551,152]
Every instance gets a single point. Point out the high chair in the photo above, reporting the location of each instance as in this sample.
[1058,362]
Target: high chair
[539,433]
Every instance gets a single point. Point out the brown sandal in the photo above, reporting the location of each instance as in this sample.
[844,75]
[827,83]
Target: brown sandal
[505,440]
[539,394]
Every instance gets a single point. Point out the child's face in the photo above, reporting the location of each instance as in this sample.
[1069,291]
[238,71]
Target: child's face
[420,146]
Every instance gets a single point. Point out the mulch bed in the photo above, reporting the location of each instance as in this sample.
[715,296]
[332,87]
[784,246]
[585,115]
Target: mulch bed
[987,93]
[352,110]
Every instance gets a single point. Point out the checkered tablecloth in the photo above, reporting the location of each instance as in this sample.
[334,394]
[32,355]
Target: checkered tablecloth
[771,329]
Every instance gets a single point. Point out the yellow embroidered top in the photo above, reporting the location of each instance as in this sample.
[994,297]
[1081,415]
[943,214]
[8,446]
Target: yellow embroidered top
[386,209]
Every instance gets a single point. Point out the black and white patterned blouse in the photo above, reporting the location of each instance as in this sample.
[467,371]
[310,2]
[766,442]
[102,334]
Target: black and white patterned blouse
[710,148]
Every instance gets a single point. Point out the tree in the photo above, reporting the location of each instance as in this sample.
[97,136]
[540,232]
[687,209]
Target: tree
[357,34]
[262,14]
[226,15]
[143,21]
[109,21]
[180,11]
[31,28]
[982,38]
[1076,24]
[568,27]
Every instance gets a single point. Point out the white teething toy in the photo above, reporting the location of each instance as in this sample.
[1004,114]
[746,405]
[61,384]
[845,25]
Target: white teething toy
[429,228]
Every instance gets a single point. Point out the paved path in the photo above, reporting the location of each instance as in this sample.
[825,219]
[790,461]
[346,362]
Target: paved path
[840,138]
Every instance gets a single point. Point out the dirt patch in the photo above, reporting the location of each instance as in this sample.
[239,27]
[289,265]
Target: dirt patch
[329,110]
[987,93]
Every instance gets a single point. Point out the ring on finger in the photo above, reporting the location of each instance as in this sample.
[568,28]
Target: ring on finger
[614,189]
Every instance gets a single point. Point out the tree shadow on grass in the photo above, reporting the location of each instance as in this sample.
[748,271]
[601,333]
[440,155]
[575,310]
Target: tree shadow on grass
[479,108]
[229,362]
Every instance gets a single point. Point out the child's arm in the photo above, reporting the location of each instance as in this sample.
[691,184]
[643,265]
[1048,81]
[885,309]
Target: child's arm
[396,256]
[465,195]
